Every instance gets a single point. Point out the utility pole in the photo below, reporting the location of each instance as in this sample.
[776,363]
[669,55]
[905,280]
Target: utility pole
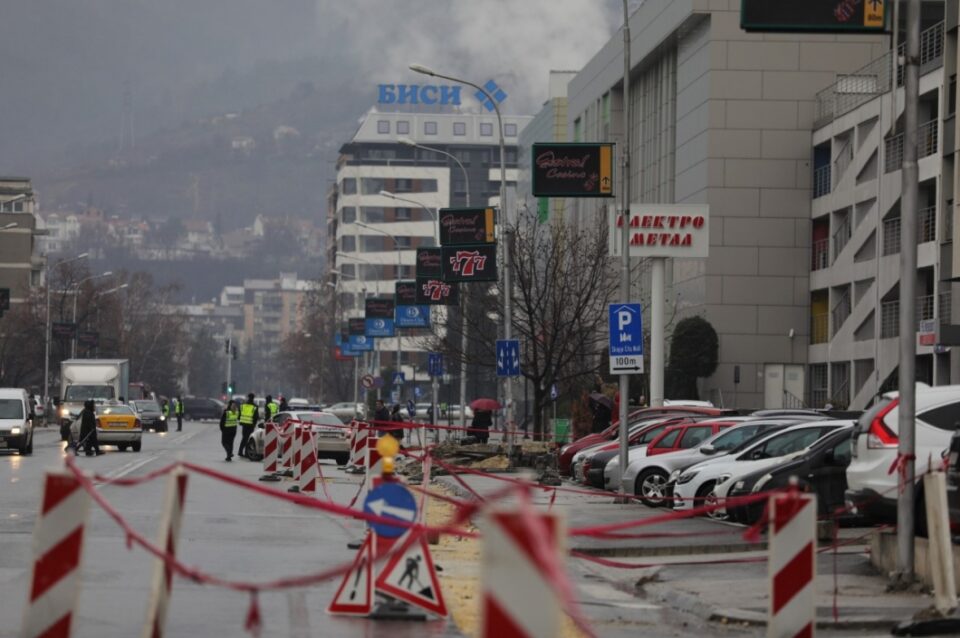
[906,447]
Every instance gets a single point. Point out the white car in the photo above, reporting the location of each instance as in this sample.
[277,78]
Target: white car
[656,469]
[871,486]
[16,428]
[347,411]
[697,484]
[330,436]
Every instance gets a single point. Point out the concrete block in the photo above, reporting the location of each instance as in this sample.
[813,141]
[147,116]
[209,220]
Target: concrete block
[753,231]
[833,57]
[757,290]
[739,260]
[714,288]
[795,85]
[725,25]
[760,173]
[733,319]
[735,202]
[780,320]
[801,291]
[756,114]
[784,262]
[763,55]
[694,122]
[754,348]
[692,152]
[802,235]
[785,202]
[804,174]
[736,85]
[735,143]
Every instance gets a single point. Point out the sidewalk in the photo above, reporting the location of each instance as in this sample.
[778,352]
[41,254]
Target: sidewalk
[672,570]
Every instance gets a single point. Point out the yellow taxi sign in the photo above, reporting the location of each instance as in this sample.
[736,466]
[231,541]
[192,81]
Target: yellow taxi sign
[388,446]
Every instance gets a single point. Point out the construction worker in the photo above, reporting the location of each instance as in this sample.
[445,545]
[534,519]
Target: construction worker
[249,415]
[165,408]
[179,411]
[270,408]
[228,427]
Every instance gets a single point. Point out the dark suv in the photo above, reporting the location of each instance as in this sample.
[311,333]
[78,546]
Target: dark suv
[196,409]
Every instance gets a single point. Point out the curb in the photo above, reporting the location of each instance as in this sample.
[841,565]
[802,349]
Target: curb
[672,550]
[759,619]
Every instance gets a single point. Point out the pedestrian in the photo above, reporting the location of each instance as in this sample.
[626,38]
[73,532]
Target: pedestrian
[249,415]
[179,410]
[33,410]
[396,415]
[165,409]
[88,429]
[381,416]
[482,420]
[228,428]
[270,408]
[284,406]
[601,416]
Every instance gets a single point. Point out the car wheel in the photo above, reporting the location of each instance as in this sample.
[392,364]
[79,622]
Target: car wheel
[652,486]
[706,496]
[136,446]
[122,447]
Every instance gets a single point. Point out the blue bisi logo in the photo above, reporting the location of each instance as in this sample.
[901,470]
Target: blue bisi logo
[418,94]
[495,91]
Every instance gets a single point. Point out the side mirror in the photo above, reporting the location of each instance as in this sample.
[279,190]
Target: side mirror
[708,449]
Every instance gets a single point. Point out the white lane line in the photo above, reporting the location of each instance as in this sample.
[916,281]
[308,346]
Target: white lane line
[125,469]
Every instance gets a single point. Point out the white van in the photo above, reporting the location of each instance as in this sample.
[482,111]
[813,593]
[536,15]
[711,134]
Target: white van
[16,428]
[871,475]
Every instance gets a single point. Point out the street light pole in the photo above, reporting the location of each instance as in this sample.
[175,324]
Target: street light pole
[507,309]
[399,267]
[625,266]
[73,352]
[464,325]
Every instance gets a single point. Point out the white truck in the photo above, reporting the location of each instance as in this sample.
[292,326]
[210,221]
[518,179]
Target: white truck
[101,380]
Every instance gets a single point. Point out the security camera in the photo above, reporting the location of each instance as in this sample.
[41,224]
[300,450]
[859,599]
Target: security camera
[791,333]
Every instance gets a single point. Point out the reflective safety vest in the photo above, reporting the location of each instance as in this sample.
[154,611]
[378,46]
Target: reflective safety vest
[247,410]
[166,409]
[272,408]
[179,407]
[232,418]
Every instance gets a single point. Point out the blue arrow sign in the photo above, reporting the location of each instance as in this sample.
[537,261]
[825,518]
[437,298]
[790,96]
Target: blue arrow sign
[508,358]
[435,364]
[391,500]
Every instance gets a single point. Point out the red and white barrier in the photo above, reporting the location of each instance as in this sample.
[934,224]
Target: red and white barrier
[169,536]
[295,457]
[792,563]
[358,447]
[308,461]
[286,452]
[271,447]
[57,547]
[518,598]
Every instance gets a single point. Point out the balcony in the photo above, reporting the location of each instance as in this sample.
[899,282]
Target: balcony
[821,254]
[890,315]
[841,237]
[926,230]
[821,181]
[841,310]
[820,328]
[943,308]
[927,144]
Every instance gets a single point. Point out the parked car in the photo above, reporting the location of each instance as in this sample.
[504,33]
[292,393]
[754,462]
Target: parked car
[347,411]
[701,482]
[330,436]
[150,415]
[871,486]
[197,409]
[297,403]
[567,452]
[656,470]
[16,428]
[821,470]
[591,464]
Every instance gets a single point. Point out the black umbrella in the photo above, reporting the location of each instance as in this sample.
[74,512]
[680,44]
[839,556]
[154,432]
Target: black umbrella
[602,399]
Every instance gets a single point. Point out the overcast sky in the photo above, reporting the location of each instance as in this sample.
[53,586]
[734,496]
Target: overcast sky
[64,63]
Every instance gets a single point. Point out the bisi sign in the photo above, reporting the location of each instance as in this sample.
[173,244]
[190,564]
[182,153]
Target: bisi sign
[435,292]
[429,263]
[573,170]
[429,94]
[663,230]
[466,226]
[470,263]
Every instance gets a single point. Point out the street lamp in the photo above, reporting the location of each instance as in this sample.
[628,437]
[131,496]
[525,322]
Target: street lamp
[46,348]
[436,221]
[9,226]
[507,311]
[104,294]
[399,277]
[73,352]
[406,141]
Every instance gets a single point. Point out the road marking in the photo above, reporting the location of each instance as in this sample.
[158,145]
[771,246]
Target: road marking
[125,469]
[186,437]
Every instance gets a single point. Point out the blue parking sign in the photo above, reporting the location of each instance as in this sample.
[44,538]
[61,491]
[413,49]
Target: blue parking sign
[626,338]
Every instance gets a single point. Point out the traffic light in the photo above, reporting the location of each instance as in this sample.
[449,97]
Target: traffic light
[230,388]
[234,353]
[226,346]
[223,388]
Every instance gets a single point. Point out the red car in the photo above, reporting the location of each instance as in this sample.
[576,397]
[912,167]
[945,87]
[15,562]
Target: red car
[685,436]
[597,458]
[565,458]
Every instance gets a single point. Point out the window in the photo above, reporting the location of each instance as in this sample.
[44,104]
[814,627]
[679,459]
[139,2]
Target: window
[348,214]
[403,186]
[669,439]
[511,156]
[402,242]
[403,214]
[462,155]
[428,186]
[460,128]
[348,186]
[383,127]
[372,185]
[652,434]
[373,215]
[486,129]
[381,153]
[841,452]
[944,417]
[348,244]
[952,95]
[695,436]
[510,129]
[403,127]
[348,270]
[430,128]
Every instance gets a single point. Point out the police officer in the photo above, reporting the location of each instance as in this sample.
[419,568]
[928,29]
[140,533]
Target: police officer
[270,408]
[166,412]
[249,415]
[228,428]
[179,411]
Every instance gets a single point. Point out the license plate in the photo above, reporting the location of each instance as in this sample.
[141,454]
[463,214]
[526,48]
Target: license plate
[116,424]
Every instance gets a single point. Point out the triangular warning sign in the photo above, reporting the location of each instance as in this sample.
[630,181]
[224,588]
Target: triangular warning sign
[355,594]
[411,577]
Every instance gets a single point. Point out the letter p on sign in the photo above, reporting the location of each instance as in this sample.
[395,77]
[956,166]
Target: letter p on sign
[624,319]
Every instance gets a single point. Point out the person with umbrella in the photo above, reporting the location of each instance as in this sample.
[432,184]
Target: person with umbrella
[602,408]
[483,418]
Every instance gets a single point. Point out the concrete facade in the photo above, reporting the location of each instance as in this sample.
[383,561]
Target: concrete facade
[724,117]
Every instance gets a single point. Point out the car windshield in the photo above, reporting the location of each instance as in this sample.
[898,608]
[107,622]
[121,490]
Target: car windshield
[11,409]
[761,432]
[319,418]
[734,437]
[147,406]
[84,392]
[114,410]
[786,443]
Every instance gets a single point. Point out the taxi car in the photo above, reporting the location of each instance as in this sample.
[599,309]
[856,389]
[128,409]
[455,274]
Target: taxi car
[117,424]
